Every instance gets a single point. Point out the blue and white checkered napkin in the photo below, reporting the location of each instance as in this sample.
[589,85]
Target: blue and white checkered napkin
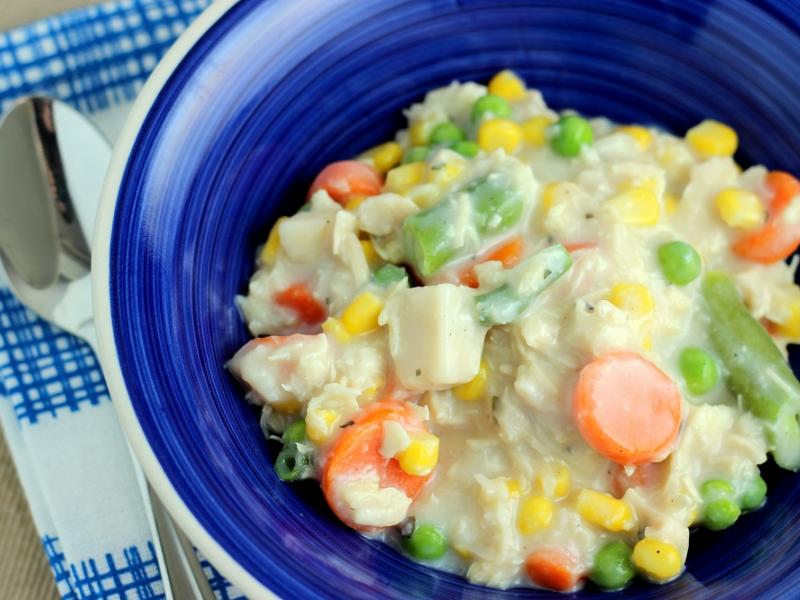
[54,406]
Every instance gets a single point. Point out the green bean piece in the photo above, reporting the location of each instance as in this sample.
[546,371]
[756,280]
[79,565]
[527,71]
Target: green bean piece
[430,238]
[757,371]
[293,462]
[388,274]
[524,283]
[296,432]
[496,205]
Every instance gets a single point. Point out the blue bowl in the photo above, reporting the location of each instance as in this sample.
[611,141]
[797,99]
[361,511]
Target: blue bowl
[227,135]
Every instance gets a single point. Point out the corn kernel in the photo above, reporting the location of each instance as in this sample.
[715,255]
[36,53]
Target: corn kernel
[513,487]
[370,392]
[320,424]
[712,138]
[550,194]
[419,132]
[637,206]
[642,136]
[361,315]
[507,85]
[333,326]
[647,342]
[534,130]
[790,326]
[473,389]
[499,133]
[354,202]
[424,195]
[421,454]
[535,513]
[270,250]
[384,156]
[444,174]
[370,253]
[604,510]
[671,204]
[462,551]
[740,208]
[400,179]
[553,480]
[287,406]
[659,560]
[634,298]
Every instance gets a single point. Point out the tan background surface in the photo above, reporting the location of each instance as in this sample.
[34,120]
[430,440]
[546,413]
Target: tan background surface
[24,573]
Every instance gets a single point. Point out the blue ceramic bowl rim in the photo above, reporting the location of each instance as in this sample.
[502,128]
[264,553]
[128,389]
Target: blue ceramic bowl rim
[211,25]
[107,351]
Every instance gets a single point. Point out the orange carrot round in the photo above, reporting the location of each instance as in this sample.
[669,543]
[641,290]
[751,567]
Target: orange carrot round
[776,240]
[347,178]
[301,300]
[553,568]
[356,453]
[627,409]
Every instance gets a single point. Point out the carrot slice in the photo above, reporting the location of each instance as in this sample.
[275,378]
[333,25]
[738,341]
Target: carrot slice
[509,253]
[575,246]
[347,178]
[553,568]
[776,240]
[386,410]
[627,409]
[300,299]
[356,454]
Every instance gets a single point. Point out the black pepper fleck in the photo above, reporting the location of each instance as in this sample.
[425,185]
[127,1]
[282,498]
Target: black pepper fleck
[419,372]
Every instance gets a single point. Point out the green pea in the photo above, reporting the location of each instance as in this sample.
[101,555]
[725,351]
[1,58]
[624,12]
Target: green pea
[497,205]
[699,370]
[571,134]
[613,567]
[490,105]
[717,489]
[426,542]
[388,274]
[446,133]
[466,148]
[720,514]
[416,154]
[293,462]
[296,432]
[680,263]
[754,494]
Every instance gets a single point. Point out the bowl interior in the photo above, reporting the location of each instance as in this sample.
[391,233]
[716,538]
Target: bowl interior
[275,90]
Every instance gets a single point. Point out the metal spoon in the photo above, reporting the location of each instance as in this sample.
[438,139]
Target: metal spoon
[51,155]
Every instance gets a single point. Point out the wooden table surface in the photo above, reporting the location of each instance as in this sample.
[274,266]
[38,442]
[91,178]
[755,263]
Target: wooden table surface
[24,572]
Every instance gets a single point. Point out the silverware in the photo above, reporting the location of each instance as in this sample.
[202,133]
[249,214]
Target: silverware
[53,154]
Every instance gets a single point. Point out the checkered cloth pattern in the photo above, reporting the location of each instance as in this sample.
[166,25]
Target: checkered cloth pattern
[54,406]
